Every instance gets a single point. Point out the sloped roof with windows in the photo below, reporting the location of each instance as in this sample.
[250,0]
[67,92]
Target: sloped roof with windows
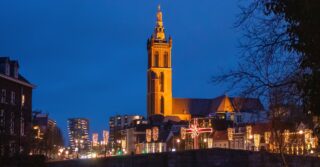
[5,64]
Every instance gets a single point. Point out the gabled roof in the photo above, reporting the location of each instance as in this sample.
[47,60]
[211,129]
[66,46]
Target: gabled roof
[242,104]
[225,105]
[12,77]
[20,80]
[191,106]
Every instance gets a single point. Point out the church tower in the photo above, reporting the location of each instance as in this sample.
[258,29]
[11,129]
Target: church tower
[159,83]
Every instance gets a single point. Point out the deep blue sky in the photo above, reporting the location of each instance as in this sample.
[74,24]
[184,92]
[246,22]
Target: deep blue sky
[88,58]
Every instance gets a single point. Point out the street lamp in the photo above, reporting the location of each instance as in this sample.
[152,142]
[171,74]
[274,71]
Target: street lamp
[178,141]
[67,154]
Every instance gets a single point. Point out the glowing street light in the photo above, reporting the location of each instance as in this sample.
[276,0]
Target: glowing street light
[250,137]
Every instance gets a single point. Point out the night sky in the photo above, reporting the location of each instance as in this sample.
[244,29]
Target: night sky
[88,58]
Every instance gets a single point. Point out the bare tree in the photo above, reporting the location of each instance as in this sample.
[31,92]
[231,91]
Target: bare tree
[268,68]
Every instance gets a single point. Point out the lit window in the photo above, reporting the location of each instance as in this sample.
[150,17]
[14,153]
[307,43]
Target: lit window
[23,99]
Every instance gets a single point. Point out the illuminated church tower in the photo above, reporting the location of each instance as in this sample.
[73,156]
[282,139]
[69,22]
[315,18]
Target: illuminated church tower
[159,87]
[159,91]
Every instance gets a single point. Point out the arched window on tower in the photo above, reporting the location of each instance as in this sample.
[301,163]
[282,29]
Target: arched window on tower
[166,59]
[154,78]
[156,59]
[162,105]
[162,81]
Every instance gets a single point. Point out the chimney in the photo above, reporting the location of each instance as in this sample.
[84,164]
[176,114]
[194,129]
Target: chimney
[14,69]
[5,65]
[8,67]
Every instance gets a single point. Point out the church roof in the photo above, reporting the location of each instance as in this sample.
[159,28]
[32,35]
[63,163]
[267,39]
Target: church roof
[242,104]
[203,107]
[197,107]
[225,105]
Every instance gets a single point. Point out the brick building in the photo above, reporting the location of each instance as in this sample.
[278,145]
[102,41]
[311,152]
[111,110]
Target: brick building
[15,109]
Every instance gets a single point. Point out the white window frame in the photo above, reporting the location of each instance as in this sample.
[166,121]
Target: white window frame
[12,123]
[7,69]
[3,95]
[13,98]
[2,120]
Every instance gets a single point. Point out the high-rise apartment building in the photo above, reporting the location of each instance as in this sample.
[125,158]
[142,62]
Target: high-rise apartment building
[79,134]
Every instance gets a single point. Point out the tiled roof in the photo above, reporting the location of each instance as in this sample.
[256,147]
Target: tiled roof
[203,107]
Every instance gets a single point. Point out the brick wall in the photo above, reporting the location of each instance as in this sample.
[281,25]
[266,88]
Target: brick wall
[195,158]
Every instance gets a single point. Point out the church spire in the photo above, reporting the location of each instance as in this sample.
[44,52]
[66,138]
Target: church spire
[159,29]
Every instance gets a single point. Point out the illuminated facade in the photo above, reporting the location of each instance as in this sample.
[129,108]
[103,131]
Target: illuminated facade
[105,137]
[159,87]
[79,134]
[159,74]
[95,141]
[119,128]
[46,132]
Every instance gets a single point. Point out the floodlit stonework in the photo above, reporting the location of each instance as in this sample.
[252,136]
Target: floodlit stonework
[159,86]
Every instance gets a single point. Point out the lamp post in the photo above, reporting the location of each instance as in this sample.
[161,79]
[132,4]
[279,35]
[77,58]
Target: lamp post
[67,154]
[178,143]
[205,142]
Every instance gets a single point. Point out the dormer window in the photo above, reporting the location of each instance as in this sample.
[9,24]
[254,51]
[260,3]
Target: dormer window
[15,71]
[7,69]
